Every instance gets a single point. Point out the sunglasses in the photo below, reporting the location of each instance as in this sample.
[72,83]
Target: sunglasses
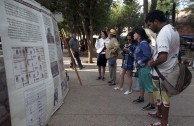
[129,39]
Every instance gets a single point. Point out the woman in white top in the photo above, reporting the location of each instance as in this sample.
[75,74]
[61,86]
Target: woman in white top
[101,50]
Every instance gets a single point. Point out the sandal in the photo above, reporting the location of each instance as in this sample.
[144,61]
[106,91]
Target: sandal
[155,115]
[98,78]
[158,124]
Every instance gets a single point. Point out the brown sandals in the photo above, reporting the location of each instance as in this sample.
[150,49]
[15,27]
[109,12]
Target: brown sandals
[155,115]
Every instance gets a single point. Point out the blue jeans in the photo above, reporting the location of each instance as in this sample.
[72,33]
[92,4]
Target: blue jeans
[76,55]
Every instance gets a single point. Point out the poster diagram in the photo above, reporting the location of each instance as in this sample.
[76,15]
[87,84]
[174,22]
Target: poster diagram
[56,92]
[35,104]
[29,40]
[29,65]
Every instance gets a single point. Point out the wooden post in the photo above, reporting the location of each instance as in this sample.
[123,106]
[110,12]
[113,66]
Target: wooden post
[70,54]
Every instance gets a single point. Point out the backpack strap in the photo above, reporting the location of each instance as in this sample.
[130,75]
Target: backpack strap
[159,73]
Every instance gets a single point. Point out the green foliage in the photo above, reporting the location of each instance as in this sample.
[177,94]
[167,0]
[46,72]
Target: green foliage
[72,8]
[52,5]
[164,5]
[101,15]
[190,18]
[126,15]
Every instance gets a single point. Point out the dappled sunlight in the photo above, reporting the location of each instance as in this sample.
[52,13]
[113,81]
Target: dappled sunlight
[87,70]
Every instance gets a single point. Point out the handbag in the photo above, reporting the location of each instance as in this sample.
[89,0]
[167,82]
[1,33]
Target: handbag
[112,61]
[177,80]
[134,74]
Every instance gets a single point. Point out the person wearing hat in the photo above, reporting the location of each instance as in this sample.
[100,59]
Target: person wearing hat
[112,52]
[101,51]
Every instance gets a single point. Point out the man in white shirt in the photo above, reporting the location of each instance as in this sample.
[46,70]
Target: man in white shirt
[165,57]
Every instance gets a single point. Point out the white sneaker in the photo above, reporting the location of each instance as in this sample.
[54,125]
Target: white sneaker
[128,92]
[121,89]
[117,88]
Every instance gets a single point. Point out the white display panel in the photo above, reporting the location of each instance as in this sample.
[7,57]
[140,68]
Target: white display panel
[33,62]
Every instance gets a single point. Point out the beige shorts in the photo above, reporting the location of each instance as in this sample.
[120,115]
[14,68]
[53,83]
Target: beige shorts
[159,94]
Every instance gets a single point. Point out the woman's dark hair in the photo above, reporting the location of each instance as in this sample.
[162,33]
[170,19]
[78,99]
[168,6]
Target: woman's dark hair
[155,15]
[142,33]
[105,33]
[131,35]
[100,36]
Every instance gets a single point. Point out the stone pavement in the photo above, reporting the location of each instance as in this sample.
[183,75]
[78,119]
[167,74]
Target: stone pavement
[97,104]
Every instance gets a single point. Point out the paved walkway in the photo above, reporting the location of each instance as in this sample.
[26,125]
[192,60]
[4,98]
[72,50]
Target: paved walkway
[97,104]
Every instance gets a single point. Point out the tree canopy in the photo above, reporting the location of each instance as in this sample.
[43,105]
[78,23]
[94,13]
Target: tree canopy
[88,17]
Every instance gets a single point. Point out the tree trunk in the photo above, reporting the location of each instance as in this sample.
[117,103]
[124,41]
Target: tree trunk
[90,44]
[173,13]
[153,5]
[145,7]
[85,41]
[84,28]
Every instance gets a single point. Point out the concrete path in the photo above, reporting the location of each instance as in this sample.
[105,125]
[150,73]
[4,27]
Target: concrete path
[97,104]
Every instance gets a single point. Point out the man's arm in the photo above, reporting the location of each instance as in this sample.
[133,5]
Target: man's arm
[114,48]
[70,43]
[162,57]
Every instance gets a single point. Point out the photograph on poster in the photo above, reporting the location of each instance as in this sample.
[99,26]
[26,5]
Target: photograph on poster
[56,32]
[57,39]
[49,36]
[29,65]
[54,68]
[1,49]
[63,86]
[56,98]
[4,101]
[56,91]
[64,83]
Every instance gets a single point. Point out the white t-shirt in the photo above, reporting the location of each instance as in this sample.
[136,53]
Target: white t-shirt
[168,40]
[100,44]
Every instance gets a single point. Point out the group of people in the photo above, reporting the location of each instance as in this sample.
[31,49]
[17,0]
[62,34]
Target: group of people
[137,53]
